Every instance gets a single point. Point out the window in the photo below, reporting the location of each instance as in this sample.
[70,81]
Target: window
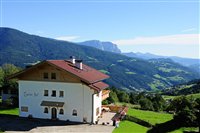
[45,92]
[53,75]
[24,108]
[61,111]
[53,93]
[74,113]
[97,111]
[61,93]
[46,110]
[45,75]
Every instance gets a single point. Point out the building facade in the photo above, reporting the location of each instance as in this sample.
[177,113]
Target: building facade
[60,89]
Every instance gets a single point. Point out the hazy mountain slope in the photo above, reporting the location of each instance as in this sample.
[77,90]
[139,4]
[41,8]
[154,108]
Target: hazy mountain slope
[191,63]
[20,48]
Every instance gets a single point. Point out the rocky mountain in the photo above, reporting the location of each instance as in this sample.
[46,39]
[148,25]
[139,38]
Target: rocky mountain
[128,73]
[105,46]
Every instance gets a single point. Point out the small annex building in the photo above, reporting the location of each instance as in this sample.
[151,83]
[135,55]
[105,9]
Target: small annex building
[61,89]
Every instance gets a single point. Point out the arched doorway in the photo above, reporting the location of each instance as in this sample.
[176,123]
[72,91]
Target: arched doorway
[53,113]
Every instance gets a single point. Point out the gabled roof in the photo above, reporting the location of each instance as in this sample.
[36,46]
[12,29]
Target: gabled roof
[89,75]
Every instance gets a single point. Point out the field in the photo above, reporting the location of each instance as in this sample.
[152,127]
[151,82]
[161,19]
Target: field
[127,127]
[149,116]
[127,104]
[194,95]
[14,111]
[197,95]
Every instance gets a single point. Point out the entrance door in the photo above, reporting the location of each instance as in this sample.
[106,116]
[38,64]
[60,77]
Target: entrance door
[53,113]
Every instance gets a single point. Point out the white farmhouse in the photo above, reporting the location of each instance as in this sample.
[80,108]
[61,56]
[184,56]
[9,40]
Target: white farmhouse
[61,89]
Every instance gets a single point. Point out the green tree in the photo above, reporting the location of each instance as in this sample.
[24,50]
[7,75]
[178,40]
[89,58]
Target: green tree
[5,71]
[123,96]
[180,103]
[133,98]
[186,110]
[112,97]
[158,102]
[146,104]
[1,77]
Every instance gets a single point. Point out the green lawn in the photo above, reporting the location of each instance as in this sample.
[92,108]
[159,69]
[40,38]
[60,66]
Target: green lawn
[14,111]
[150,116]
[128,127]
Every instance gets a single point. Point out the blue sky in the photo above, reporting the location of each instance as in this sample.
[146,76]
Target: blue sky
[164,27]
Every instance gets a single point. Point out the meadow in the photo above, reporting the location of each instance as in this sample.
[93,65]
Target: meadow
[195,96]
[149,116]
[13,111]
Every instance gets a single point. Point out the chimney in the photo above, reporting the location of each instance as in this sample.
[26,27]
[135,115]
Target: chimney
[72,59]
[79,64]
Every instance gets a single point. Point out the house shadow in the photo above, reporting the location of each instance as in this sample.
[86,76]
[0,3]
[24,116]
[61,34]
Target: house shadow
[168,126]
[16,123]
[165,127]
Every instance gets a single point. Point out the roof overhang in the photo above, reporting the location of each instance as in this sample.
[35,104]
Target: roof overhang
[99,86]
[52,104]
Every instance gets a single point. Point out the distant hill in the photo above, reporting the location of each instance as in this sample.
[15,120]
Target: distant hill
[191,87]
[128,73]
[191,63]
[105,46]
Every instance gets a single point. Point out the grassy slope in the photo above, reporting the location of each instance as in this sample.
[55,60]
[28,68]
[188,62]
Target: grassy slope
[14,111]
[150,116]
[166,97]
[194,95]
[127,127]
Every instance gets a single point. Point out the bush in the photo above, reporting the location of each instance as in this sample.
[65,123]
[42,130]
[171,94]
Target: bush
[105,102]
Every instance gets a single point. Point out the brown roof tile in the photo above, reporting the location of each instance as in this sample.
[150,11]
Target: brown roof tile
[87,74]
[99,86]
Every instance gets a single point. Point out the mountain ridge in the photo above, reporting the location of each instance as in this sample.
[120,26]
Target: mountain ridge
[128,73]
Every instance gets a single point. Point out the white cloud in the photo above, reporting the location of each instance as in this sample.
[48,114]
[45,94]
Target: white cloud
[182,39]
[189,30]
[67,38]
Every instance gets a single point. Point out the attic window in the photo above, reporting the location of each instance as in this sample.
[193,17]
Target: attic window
[53,75]
[45,75]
